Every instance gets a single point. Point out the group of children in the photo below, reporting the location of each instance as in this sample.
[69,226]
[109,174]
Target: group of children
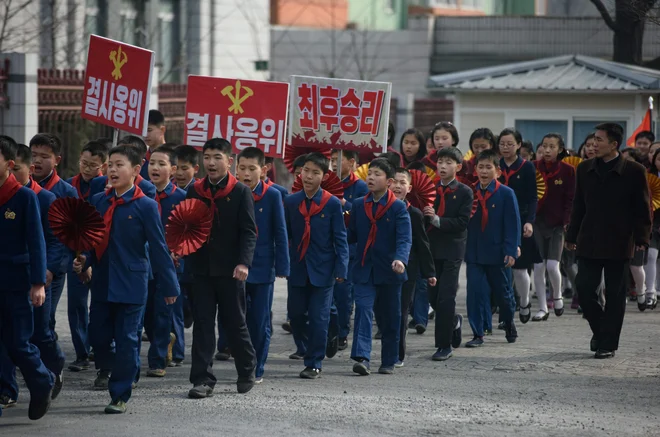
[371,253]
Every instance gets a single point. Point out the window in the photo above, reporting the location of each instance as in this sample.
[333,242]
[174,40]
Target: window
[535,130]
[583,128]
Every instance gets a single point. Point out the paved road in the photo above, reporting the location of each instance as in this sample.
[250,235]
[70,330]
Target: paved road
[547,384]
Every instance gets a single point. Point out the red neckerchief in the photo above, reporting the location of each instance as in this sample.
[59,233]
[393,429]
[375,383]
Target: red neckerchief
[506,174]
[53,180]
[380,212]
[442,190]
[352,179]
[482,201]
[258,197]
[107,217]
[148,156]
[34,186]
[8,189]
[407,204]
[160,196]
[307,215]
[76,184]
[138,179]
[205,192]
[267,182]
[548,173]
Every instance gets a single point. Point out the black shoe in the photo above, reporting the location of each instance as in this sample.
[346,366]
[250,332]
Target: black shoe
[79,365]
[57,388]
[593,344]
[310,373]
[386,370]
[511,332]
[90,357]
[378,336]
[420,328]
[488,332]
[412,324]
[494,310]
[560,311]
[342,344]
[524,318]
[475,342]
[332,347]
[244,385]
[297,355]
[287,326]
[500,326]
[432,315]
[362,368]
[457,334]
[602,354]
[187,319]
[200,392]
[442,354]
[39,406]
[641,305]
[223,355]
[145,337]
[102,379]
[6,401]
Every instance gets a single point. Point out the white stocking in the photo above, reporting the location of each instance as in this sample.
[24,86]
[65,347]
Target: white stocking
[522,281]
[554,275]
[638,276]
[539,286]
[650,272]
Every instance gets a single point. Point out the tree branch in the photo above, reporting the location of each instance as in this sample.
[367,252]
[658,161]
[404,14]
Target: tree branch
[606,15]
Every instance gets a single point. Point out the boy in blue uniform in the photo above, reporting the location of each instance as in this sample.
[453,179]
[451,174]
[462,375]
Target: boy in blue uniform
[92,164]
[162,319]
[319,257]
[100,184]
[154,139]
[46,155]
[43,336]
[380,225]
[354,188]
[270,162]
[121,272]
[493,243]
[23,268]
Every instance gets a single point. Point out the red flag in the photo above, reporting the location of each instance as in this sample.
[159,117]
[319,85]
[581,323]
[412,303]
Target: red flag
[644,125]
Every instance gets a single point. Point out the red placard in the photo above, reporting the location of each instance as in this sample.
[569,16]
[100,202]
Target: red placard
[118,85]
[247,113]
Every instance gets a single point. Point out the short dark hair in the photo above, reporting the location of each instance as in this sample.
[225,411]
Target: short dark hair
[404,171]
[347,154]
[298,162]
[48,140]
[645,134]
[383,164]
[419,136]
[107,142]
[318,159]
[392,157]
[252,153]
[489,155]
[130,152]
[167,150]
[558,137]
[483,133]
[171,145]
[415,165]
[156,118]
[450,152]
[268,159]
[96,148]
[614,132]
[136,142]
[527,145]
[511,131]
[186,153]
[24,153]
[390,133]
[8,147]
[219,144]
[449,127]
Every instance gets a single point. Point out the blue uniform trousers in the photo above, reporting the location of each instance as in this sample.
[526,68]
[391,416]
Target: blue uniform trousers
[420,310]
[118,321]
[16,329]
[179,348]
[498,279]
[57,287]
[259,303]
[388,310]
[157,325]
[78,312]
[343,294]
[309,313]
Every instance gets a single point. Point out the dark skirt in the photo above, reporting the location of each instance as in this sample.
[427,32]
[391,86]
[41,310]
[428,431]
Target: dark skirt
[529,254]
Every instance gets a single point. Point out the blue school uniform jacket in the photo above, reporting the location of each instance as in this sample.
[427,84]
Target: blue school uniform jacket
[501,236]
[184,274]
[283,192]
[327,254]
[56,252]
[167,204]
[23,248]
[393,242]
[355,191]
[60,189]
[122,273]
[98,186]
[85,187]
[271,255]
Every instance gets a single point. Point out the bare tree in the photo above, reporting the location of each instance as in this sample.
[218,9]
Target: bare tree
[11,22]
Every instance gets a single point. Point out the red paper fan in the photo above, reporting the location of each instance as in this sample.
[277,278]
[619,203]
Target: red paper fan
[189,227]
[423,190]
[76,223]
[292,152]
[331,184]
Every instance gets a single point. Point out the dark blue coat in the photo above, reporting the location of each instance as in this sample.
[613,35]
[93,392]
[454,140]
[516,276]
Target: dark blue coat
[502,234]
[60,189]
[355,191]
[271,255]
[122,273]
[85,187]
[283,192]
[523,183]
[98,186]
[23,248]
[327,255]
[184,274]
[393,242]
[56,252]
[167,204]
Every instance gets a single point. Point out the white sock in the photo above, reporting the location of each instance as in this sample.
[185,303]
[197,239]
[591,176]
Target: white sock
[522,281]
[539,286]
[638,276]
[554,274]
[650,272]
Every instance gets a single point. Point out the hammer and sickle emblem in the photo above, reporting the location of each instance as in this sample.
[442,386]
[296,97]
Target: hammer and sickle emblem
[118,59]
[237,99]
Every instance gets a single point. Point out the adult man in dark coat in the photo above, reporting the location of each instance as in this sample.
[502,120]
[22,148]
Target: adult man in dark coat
[611,218]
